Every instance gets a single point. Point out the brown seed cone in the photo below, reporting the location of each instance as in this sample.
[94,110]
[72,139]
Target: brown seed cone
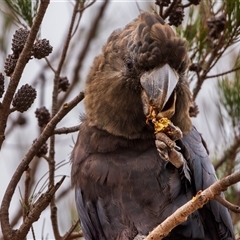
[19,40]
[43,116]
[216,26]
[176,16]
[42,150]
[41,48]
[10,64]
[24,98]
[63,84]
[195,67]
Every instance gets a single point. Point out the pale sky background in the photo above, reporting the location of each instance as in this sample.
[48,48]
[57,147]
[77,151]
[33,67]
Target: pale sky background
[54,27]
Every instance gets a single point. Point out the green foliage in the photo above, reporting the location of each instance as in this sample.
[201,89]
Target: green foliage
[229,91]
[25,9]
[211,28]
[232,9]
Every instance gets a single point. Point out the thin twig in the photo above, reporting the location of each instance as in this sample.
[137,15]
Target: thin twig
[231,152]
[78,21]
[44,184]
[49,64]
[225,203]
[75,235]
[68,235]
[224,73]
[66,130]
[33,233]
[43,225]
[187,5]
[87,6]
[26,192]
[208,67]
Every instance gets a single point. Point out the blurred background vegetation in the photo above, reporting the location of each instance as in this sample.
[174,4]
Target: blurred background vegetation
[212,29]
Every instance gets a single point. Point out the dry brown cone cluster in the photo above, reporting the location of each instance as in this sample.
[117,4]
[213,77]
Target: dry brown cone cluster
[216,26]
[24,98]
[176,16]
[41,49]
[63,84]
[43,116]
[10,64]
[195,67]
[174,10]
[42,150]
[19,40]
[26,95]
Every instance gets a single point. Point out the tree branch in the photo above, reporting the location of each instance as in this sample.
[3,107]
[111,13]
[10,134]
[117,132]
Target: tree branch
[224,73]
[230,153]
[72,235]
[201,198]
[65,130]
[230,206]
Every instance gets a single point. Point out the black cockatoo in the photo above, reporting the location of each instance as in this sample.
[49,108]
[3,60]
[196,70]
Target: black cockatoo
[125,180]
